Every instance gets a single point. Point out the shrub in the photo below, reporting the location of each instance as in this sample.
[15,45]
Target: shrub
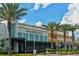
[48,49]
[64,51]
[29,54]
[13,51]
[41,51]
[3,52]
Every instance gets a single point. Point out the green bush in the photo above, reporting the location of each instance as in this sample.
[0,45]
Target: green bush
[41,51]
[62,49]
[48,49]
[68,52]
[27,54]
[13,52]
[3,52]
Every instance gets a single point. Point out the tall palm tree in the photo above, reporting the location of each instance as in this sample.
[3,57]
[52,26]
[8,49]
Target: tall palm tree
[11,12]
[64,28]
[51,27]
[73,28]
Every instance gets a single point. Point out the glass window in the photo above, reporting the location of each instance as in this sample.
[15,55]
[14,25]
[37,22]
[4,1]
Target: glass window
[36,37]
[45,38]
[31,37]
[19,34]
[41,37]
[26,36]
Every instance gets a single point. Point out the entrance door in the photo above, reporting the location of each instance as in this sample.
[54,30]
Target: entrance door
[21,47]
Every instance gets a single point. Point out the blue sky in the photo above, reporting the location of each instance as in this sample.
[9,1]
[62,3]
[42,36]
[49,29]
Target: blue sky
[53,12]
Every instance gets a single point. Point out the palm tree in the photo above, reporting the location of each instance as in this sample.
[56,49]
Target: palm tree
[11,12]
[73,28]
[64,28]
[51,27]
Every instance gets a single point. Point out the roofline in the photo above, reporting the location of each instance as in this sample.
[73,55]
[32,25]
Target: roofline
[30,25]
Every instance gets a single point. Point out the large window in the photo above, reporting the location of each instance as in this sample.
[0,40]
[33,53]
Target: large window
[31,37]
[19,34]
[26,36]
[41,37]
[36,37]
[45,38]
[23,35]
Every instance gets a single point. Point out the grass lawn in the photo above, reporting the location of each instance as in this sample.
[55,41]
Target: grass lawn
[29,54]
[23,54]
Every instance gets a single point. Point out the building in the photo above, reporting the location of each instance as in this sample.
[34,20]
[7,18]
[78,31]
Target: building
[26,38]
[29,37]
[58,39]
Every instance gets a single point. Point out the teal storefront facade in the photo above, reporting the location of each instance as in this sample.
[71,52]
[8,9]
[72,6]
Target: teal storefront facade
[25,38]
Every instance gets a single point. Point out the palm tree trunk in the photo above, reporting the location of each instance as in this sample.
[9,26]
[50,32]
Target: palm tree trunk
[52,40]
[9,39]
[73,38]
[64,39]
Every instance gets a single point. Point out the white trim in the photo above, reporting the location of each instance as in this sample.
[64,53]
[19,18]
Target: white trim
[39,29]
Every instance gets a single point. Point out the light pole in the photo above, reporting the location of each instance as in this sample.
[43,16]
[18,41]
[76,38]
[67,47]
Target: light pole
[34,50]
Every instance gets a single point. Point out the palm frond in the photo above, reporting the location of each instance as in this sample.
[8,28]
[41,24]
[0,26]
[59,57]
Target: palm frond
[19,15]
[12,11]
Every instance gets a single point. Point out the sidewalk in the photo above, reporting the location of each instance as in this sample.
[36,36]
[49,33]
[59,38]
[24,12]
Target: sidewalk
[48,55]
[57,55]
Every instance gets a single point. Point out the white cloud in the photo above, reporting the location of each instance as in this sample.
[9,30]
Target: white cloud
[72,16]
[39,23]
[45,5]
[22,21]
[19,21]
[37,5]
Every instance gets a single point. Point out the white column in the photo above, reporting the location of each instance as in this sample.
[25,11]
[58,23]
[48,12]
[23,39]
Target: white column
[34,41]
[34,50]
[17,47]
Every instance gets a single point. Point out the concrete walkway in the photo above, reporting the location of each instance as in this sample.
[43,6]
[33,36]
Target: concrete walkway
[48,55]
[57,55]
